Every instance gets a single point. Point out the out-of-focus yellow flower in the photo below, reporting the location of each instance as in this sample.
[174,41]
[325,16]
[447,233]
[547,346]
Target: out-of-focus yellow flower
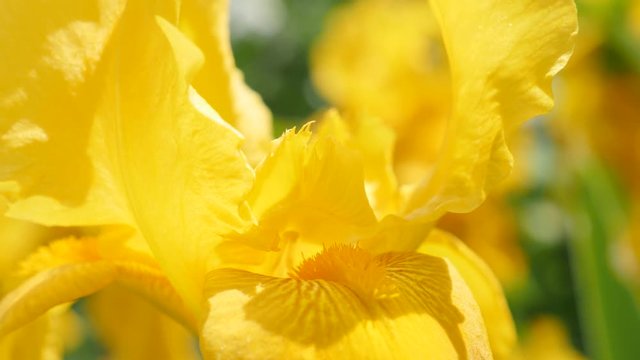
[386,59]
[547,339]
[107,119]
[635,18]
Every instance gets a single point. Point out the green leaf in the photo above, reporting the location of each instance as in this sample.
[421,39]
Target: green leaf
[610,316]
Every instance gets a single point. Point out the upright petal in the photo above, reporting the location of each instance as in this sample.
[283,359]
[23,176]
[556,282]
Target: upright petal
[219,81]
[194,178]
[375,142]
[308,193]
[129,143]
[502,57]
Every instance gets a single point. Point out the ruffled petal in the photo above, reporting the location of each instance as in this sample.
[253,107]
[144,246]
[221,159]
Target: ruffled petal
[308,193]
[502,58]
[483,284]
[416,306]
[219,82]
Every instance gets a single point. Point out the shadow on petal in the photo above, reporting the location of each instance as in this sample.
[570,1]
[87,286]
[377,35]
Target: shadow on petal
[430,313]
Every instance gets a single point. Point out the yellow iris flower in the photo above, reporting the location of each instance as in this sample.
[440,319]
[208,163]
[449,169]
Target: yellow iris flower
[547,339]
[108,119]
[386,59]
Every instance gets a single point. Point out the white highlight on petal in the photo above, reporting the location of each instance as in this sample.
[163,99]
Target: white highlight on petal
[22,133]
[205,109]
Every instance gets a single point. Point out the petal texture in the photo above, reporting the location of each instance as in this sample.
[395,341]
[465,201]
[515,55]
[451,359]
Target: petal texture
[308,193]
[485,288]
[121,138]
[425,312]
[219,82]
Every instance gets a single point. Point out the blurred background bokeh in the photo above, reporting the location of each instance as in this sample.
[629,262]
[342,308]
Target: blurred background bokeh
[563,233]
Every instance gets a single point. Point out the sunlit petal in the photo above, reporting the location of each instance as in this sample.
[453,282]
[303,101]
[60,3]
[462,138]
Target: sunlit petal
[485,288]
[219,82]
[310,190]
[128,142]
[395,305]
[501,64]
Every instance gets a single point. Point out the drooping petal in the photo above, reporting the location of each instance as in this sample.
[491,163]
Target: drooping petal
[219,82]
[148,333]
[502,62]
[395,305]
[483,284]
[70,268]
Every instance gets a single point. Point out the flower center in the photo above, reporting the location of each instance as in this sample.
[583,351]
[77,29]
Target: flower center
[351,266]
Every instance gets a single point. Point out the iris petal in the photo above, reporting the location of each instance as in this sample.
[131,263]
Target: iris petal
[219,82]
[69,269]
[118,136]
[501,65]
[430,314]
[483,284]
